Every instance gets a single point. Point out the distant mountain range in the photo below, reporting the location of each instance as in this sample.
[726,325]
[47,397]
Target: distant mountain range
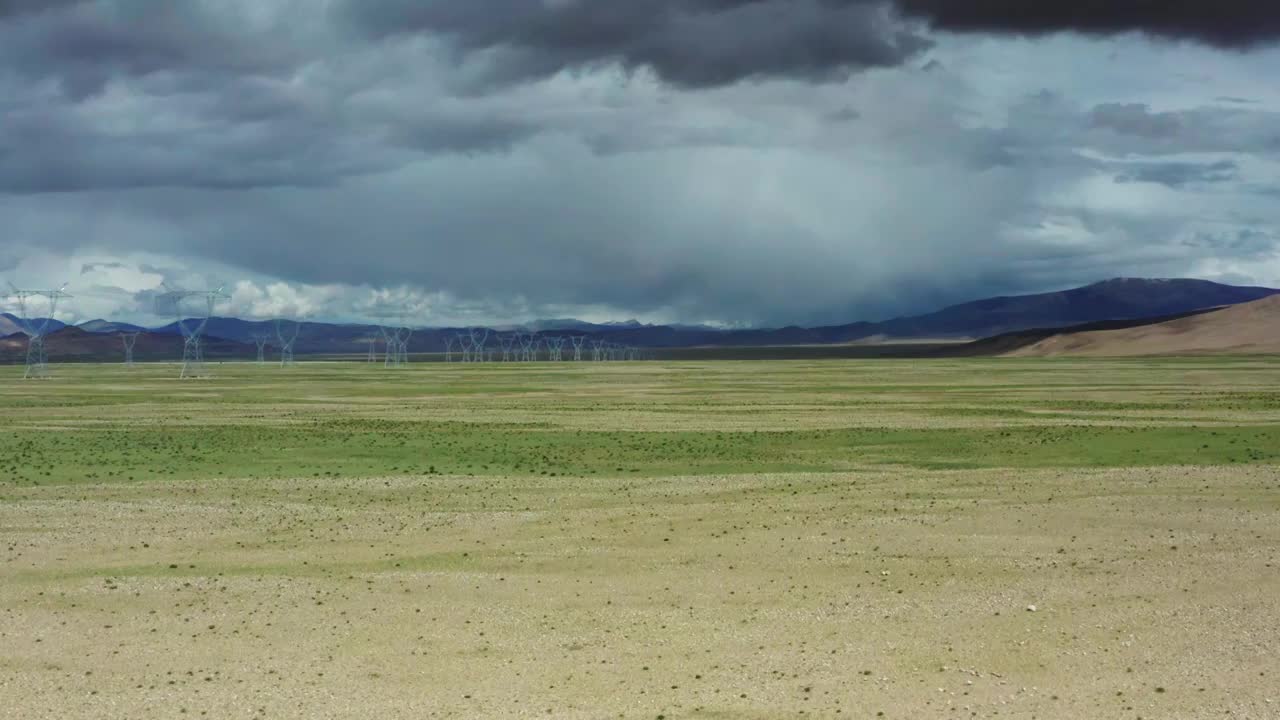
[107,326]
[1116,299]
[73,344]
[9,324]
[1112,303]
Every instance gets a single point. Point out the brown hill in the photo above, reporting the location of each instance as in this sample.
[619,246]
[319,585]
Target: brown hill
[1246,329]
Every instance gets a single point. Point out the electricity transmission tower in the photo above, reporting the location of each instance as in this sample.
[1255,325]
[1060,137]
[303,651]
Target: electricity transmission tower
[130,339]
[404,346]
[506,342]
[597,350]
[397,339]
[286,340]
[464,343]
[448,348]
[529,346]
[373,349]
[478,339]
[261,340]
[192,326]
[35,328]
[396,336]
[555,348]
[578,340]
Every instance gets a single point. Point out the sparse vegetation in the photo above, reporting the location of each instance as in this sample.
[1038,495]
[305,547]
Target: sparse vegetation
[814,539]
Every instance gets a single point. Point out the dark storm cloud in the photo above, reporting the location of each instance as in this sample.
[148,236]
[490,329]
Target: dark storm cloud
[84,45]
[1179,174]
[1222,23]
[691,43]
[843,115]
[1248,243]
[701,43]
[1136,119]
[1135,127]
[473,148]
[60,149]
[11,8]
[132,94]
[92,267]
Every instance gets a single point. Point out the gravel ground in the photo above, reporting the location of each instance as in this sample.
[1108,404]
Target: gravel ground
[893,591]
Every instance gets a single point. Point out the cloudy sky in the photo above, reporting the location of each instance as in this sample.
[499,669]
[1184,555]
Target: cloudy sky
[748,162]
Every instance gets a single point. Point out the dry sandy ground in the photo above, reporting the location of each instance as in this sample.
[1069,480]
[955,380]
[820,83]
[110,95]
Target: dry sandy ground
[1251,328]
[886,593]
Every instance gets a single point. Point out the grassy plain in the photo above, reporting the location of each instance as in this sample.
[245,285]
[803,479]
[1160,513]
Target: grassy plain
[644,540]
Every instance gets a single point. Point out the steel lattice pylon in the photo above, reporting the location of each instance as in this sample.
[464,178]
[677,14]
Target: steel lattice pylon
[555,348]
[395,336]
[35,328]
[404,346]
[479,336]
[260,341]
[465,343]
[287,339]
[130,339]
[192,328]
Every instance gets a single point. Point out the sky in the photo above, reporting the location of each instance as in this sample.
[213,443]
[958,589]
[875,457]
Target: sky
[733,162]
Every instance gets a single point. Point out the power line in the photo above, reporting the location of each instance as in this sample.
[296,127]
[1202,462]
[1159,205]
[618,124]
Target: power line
[173,301]
[35,328]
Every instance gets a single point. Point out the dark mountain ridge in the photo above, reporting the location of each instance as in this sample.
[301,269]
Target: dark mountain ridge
[1115,299]
[107,326]
[1111,303]
[74,344]
[9,324]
